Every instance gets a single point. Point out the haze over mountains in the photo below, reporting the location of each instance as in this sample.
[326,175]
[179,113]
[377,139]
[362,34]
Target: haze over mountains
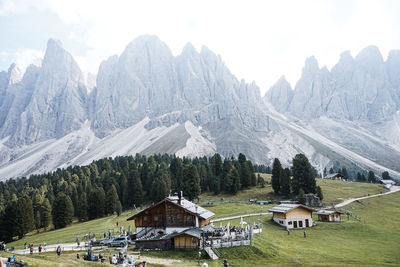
[148,101]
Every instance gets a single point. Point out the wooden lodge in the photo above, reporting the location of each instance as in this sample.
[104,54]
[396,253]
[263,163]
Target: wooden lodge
[171,223]
[329,216]
[336,176]
[292,216]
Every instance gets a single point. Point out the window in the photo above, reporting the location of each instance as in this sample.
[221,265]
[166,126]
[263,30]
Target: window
[155,218]
[290,222]
[280,222]
[300,223]
[145,218]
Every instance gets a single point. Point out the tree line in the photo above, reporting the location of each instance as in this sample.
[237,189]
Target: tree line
[108,186]
[364,176]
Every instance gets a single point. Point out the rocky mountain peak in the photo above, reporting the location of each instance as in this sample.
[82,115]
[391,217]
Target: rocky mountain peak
[369,56]
[14,74]
[311,65]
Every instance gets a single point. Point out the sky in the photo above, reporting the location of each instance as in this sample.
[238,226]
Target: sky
[258,40]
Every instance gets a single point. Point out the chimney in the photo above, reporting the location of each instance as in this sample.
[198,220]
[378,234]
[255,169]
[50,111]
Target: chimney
[180,197]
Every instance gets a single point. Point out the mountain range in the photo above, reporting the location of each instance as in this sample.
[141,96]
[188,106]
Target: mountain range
[148,101]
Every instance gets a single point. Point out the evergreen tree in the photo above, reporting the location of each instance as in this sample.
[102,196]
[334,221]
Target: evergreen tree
[45,213]
[371,177]
[253,178]
[284,181]
[118,208]
[385,175]
[25,216]
[276,172]
[9,221]
[344,173]
[303,176]
[319,193]
[302,198]
[137,192]
[216,165]
[260,181]
[96,203]
[83,208]
[159,189]
[235,181]
[192,186]
[331,171]
[111,200]
[63,211]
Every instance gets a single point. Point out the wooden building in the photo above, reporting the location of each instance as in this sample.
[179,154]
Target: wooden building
[292,216]
[329,216]
[173,222]
[335,176]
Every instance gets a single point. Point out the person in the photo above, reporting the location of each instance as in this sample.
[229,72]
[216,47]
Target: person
[40,248]
[31,249]
[105,235]
[58,250]
[305,234]
[25,246]
[288,231]
[78,242]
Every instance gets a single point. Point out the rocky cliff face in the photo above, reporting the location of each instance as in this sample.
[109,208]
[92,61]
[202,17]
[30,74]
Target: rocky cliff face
[49,102]
[356,104]
[364,88]
[148,101]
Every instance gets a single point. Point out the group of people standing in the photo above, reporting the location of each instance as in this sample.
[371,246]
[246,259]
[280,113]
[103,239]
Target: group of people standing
[31,248]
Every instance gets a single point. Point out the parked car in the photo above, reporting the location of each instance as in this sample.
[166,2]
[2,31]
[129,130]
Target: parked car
[121,241]
[106,242]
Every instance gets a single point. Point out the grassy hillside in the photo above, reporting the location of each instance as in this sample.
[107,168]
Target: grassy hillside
[68,234]
[349,242]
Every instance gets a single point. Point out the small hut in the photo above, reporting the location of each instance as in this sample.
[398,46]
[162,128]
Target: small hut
[292,215]
[329,216]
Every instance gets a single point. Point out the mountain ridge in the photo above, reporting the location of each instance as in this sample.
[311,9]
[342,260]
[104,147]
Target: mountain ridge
[148,101]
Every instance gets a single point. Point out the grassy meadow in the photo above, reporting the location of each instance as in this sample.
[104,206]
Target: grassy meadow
[373,241]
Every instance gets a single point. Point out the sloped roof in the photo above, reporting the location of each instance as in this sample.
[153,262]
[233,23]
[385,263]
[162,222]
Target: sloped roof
[331,175]
[195,232]
[327,212]
[387,181]
[284,208]
[187,205]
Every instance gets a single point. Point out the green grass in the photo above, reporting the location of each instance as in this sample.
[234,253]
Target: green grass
[68,234]
[331,244]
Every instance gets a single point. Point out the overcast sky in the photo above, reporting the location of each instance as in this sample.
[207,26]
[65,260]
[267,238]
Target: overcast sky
[258,40]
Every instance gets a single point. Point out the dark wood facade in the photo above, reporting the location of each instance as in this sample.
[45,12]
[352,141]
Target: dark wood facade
[167,214]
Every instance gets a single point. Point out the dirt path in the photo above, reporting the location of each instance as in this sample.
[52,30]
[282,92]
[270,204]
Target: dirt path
[345,202]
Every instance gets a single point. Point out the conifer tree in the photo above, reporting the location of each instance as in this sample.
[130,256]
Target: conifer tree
[83,208]
[25,216]
[385,175]
[192,185]
[260,181]
[285,181]
[276,171]
[371,177]
[111,200]
[319,193]
[45,213]
[138,194]
[303,176]
[302,198]
[234,176]
[63,211]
